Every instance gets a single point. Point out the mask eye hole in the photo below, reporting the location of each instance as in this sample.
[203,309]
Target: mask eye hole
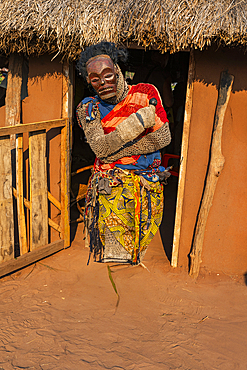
[94,80]
[109,75]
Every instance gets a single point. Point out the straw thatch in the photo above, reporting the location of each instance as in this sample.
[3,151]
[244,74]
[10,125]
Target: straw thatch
[66,26]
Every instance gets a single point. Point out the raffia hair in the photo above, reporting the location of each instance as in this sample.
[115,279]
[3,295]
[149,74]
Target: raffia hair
[107,48]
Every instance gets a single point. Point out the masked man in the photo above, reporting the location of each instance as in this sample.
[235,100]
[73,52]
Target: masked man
[124,202]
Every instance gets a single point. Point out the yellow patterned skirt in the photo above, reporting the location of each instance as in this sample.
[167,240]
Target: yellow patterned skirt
[129,218]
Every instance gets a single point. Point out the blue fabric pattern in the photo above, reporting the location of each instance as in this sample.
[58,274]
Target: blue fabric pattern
[104,107]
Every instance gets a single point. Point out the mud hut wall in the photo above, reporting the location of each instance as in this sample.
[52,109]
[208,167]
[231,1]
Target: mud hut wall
[224,248]
[44,102]
[2,116]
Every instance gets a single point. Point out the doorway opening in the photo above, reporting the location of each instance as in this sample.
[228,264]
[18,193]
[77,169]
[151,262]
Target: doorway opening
[169,74]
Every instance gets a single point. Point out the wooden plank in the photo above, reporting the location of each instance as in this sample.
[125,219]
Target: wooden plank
[80,219]
[13,117]
[216,165]
[13,94]
[32,127]
[31,257]
[54,225]
[38,190]
[71,113]
[6,202]
[51,223]
[81,170]
[20,197]
[54,201]
[26,202]
[183,161]
[66,153]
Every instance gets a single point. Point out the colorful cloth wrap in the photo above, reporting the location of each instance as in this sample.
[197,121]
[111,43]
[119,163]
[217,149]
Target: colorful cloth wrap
[132,208]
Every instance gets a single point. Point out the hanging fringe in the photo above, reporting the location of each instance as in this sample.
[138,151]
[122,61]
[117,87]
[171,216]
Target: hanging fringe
[140,229]
[149,208]
[96,246]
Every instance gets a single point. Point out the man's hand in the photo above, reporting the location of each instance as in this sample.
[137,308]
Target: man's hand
[147,116]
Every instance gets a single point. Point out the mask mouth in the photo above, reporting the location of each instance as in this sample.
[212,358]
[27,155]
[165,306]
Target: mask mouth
[107,92]
[106,89]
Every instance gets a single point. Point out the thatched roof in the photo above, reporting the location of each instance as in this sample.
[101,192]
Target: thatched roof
[66,26]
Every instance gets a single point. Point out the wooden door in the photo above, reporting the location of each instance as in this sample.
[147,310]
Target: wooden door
[24,218]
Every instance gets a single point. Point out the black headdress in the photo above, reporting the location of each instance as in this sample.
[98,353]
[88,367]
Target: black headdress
[105,48]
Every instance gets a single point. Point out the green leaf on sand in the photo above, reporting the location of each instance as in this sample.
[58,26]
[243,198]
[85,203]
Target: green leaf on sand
[113,284]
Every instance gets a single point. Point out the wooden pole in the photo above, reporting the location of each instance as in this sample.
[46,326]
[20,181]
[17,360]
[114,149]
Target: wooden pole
[183,161]
[13,93]
[20,196]
[216,165]
[67,109]
[13,117]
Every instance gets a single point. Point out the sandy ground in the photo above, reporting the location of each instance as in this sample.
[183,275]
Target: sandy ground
[61,314]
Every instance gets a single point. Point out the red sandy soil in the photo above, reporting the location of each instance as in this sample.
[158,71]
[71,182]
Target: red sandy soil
[61,314]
